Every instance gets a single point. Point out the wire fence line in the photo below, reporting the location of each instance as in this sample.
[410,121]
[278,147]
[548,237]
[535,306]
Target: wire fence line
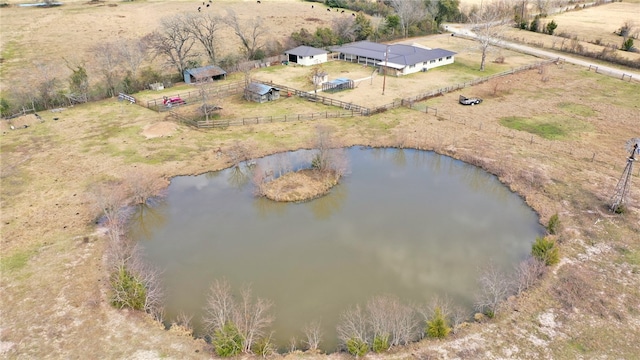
[223,90]
[222,123]
[350,107]
[314,97]
[521,138]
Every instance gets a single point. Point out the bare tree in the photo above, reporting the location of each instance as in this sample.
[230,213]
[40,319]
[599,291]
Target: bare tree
[204,28]
[389,318]
[109,200]
[149,277]
[250,317]
[543,6]
[238,153]
[46,85]
[250,32]
[409,11]
[220,306]
[353,326]
[488,25]
[527,273]
[344,27]
[330,156]
[143,185]
[494,288]
[132,54]
[313,334]
[109,62]
[174,42]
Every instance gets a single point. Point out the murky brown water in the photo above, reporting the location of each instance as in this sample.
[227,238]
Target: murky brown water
[404,222]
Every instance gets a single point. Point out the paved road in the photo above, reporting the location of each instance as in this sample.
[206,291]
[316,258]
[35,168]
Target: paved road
[460,30]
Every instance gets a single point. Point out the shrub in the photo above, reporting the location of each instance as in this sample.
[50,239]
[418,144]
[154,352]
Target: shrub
[627,45]
[357,347]
[545,249]
[551,27]
[227,341]
[264,347]
[380,343]
[554,224]
[535,24]
[437,327]
[128,291]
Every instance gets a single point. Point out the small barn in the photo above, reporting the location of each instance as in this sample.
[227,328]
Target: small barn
[204,74]
[338,84]
[261,93]
[306,55]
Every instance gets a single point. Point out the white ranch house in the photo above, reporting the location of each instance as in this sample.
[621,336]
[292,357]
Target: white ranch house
[395,59]
[306,55]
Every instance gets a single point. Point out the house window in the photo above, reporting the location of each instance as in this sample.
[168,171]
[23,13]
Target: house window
[411,66]
[432,61]
[440,59]
[311,57]
[448,57]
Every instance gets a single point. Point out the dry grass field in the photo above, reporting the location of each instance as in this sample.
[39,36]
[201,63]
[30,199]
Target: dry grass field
[35,39]
[593,27]
[53,283]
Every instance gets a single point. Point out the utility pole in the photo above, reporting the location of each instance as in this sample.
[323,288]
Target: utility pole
[384,71]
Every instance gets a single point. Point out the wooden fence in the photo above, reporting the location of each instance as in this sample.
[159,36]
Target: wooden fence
[254,64]
[408,101]
[223,90]
[311,96]
[352,109]
[271,119]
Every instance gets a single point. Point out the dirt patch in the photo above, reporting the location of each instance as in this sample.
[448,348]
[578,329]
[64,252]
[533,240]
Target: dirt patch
[160,129]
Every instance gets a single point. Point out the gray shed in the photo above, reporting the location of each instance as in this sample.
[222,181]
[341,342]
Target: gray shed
[261,93]
[205,73]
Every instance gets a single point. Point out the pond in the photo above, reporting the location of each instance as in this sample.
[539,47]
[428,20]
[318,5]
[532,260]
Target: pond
[405,222]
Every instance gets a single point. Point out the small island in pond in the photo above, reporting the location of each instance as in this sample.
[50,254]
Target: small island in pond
[302,185]
[327,165]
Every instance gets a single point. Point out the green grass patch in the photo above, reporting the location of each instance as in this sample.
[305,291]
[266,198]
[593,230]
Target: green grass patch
[546,130]
[548,126]
[578,347]
[17,260]
[632,257]
[577,109]
[11,49]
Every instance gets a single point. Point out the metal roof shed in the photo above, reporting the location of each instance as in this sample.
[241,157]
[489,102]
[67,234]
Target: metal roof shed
[205,73]
[261,93]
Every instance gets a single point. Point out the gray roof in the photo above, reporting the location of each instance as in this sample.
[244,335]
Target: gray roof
[339,81]
[305,51]
[260,89]
[206,71]
[398,53]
